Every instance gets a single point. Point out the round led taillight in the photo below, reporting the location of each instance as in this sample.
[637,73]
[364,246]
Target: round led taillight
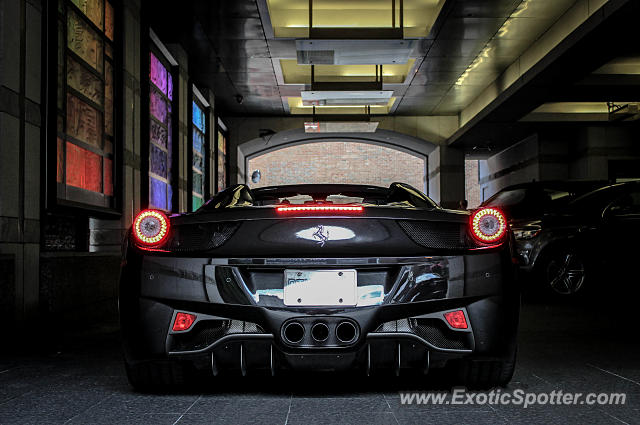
[151,227]
[488,225]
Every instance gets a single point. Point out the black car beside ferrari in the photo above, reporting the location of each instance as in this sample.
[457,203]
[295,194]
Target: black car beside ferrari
[319,278]
[582,240]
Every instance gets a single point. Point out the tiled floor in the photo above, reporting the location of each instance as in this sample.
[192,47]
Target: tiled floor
[568,347]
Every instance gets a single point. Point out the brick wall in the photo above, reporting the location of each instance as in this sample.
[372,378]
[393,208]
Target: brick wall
[472,183]
[338,162]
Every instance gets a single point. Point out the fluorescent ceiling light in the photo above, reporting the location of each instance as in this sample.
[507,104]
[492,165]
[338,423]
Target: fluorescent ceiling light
[341,127]
[353,52]
[326,98]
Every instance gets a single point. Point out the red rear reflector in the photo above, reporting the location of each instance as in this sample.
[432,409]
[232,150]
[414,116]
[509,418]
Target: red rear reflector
[321,208]
[183,321]
[456,319]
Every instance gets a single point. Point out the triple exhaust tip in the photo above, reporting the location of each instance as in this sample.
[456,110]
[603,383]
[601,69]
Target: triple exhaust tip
[320,332]
[345,332]
[294,332]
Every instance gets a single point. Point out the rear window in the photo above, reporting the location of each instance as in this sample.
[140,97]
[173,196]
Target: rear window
[396,195]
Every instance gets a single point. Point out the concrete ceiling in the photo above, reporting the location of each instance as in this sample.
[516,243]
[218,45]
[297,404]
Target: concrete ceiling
[247,48]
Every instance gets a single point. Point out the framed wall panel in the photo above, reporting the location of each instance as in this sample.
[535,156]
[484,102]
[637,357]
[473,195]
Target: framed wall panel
[161,122]
[222,156]
[80,115]
[199,152]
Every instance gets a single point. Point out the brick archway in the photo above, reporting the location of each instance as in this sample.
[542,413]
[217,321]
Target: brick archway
[392,145]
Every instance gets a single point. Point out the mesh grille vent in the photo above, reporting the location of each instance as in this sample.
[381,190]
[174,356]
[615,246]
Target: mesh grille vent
[207,332]
[201,237]
[431,234]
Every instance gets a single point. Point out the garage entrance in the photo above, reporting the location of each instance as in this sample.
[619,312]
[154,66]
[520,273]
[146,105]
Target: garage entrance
[338,161]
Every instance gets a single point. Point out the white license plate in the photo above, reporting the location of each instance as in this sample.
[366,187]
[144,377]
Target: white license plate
[320,287]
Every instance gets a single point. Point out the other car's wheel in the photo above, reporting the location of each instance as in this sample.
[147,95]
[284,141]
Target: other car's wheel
[565,272]
[154,376]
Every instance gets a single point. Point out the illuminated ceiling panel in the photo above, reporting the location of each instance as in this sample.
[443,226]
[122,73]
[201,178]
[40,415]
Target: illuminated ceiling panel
[290,18]
[296,106]
[301,74]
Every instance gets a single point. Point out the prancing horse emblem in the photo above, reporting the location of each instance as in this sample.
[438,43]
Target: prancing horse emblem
[321,234]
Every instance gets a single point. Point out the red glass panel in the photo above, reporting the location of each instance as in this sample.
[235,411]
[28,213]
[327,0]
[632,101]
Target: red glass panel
[83,122]
[60,161]
[84,168]
[158,73]
[108,177]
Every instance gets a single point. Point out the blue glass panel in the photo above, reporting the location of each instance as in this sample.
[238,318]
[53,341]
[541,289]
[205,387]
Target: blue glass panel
[169,197]
[198,117]
[157,194]
[158,163]
[198,142]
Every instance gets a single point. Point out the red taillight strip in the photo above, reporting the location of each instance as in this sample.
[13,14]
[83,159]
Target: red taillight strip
[327,208]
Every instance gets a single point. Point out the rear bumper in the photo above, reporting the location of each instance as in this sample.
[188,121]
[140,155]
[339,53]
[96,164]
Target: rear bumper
[234,331]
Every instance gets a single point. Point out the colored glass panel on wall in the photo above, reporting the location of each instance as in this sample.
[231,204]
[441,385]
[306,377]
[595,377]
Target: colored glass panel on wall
[84,41]
[85,93]
[222,161]
[160,134]
[108,20]
[93,9]
[108,98]
[158,74]
[84,122]
[84,168]
[198,130]
[60,161]
[108,177]
[84,81]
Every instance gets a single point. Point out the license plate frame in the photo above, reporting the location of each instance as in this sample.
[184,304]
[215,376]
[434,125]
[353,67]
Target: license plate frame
[320,288]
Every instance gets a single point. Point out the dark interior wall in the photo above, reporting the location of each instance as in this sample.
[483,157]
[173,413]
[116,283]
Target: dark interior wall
[68,267]
[20,123]
[589,152]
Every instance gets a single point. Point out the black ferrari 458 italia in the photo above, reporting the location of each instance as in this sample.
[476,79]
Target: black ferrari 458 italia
[319,278]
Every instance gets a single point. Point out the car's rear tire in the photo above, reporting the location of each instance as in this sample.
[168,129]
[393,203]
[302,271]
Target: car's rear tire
[484,374]
[154,376]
